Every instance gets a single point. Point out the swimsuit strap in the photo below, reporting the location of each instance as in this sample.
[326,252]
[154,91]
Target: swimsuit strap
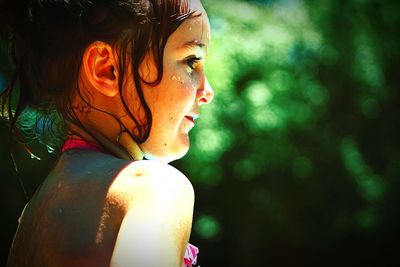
[82,144]
[191,255]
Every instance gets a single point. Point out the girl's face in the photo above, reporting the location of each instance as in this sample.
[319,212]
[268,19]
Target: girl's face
[175,102]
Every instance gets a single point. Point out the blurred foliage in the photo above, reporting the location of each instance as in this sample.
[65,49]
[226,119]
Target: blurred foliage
[297,160]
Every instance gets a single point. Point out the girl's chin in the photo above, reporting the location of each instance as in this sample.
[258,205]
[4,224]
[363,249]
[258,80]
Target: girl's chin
[166,155]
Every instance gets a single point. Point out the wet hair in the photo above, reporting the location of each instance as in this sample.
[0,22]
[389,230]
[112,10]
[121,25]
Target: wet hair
[47,39]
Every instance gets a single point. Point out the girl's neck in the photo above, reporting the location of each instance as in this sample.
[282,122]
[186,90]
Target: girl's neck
[124,146]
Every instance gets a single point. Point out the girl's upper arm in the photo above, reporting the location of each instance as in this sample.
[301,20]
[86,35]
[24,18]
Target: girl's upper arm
[156,228]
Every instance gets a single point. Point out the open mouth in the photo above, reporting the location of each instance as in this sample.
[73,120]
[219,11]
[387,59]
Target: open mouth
[192,118]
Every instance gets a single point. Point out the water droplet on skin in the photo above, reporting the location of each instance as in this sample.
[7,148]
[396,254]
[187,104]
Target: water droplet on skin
[182,81]
[33,156]
[197,21]
[50,149]
[173,78]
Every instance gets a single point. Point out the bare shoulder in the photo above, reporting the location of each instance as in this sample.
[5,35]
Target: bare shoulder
[152,169]
[149,178]
[158,218]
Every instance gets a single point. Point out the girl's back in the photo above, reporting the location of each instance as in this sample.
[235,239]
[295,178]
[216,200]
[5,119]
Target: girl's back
[72,220]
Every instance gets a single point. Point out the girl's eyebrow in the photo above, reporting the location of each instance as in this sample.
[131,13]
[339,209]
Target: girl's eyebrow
[193,43]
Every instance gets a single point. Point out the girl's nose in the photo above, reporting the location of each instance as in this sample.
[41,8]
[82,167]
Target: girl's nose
[205,94]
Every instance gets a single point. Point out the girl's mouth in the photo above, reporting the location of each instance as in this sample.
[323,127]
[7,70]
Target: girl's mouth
[190,118]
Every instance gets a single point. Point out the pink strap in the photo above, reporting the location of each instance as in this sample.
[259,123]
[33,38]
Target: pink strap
[78,143]
[190,255]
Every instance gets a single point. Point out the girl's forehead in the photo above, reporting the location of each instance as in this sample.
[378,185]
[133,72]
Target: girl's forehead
[193,30]
[196,5]
[199,16]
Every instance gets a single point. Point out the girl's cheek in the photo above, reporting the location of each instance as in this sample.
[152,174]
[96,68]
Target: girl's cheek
[189,86]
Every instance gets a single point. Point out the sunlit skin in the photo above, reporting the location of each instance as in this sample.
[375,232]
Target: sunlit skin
[174,103]
[184,88]
[95,208]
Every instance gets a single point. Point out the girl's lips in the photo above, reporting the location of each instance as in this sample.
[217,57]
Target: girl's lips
[190,118]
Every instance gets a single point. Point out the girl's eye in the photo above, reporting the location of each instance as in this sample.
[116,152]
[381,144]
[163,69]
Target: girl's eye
[192,62]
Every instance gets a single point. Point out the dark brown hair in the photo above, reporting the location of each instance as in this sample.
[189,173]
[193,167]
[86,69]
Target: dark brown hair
[47,40]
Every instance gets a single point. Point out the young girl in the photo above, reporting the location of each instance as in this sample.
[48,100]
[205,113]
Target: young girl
[116,82]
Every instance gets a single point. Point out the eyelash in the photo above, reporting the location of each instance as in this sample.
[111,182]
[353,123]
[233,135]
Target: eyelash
[193,61]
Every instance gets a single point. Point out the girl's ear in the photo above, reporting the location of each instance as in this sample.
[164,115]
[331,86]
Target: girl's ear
[101,71]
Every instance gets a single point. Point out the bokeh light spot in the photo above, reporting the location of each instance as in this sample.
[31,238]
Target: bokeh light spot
[258,94]
[212,142]
[207,227]
[302,167]
[280,80]
[370,185]
[210,175]
[245,169]
[366,219]
[370,108]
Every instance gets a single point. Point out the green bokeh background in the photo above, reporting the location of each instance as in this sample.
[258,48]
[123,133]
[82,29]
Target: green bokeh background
[297,160]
